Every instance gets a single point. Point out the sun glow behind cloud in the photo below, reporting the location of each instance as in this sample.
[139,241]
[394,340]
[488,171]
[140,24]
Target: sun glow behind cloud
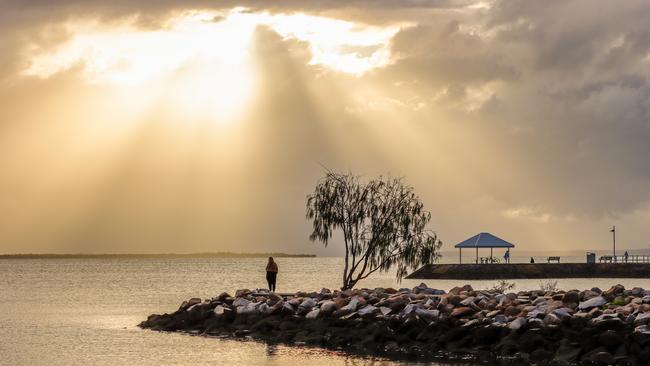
[200,62]
[124,54]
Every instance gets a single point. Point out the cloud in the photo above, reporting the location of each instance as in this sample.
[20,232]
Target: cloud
[504,115]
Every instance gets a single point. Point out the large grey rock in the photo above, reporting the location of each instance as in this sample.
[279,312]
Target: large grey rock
[501,319]
[571,297]
[385,310]
[367,311]
[602,358]
[642,318]
[352,305]
[642,329]
[517,323]
[328,307]
[287,308]
[468,301]
[562,313]
[248,309]
[636,291]
[592,303]
[220,310]
[240,301]
[306,305]
[428,315]
[313,314]
[539,301]
[552,319]
[242,292]
[273,298]
[536,313]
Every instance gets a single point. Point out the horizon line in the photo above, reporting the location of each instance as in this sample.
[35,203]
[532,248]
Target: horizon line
[156,255]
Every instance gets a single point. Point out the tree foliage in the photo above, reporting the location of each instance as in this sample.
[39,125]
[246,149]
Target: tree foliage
[383,224]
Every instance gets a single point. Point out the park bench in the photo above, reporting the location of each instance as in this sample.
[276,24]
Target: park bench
[553,259]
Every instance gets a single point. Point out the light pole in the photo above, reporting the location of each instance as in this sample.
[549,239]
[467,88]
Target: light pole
[613,231]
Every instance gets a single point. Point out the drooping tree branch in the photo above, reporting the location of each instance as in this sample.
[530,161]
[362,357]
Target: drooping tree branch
[383,224]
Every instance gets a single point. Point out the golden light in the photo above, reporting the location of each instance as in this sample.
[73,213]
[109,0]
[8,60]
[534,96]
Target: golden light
[337,44]
[199,62]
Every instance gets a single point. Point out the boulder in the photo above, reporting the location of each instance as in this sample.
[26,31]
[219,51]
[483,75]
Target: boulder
[501,319]
[614,291]
[240,301]
[642,319]
[273,298]
[462,311]
[467,288]
[539,301]
[592,303]
[567,353]
[455,290]
[642,329]
[222,311]
[328,307]
[250,309]
[367,311]
[191,302]
[313,314]
[636,291]
[610,339]
[420,288]
[305,306]
[512,311]
[552,319]
[517,323]
[223,296]
[242,292]
[562,313]
[287,308]
[602,358]
[428,315]
[571,298]
[468,301]
[385,310]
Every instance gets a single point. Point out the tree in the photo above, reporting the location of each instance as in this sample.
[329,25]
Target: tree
[383,224]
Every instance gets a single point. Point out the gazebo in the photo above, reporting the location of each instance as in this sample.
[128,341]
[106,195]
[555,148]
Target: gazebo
[483,240]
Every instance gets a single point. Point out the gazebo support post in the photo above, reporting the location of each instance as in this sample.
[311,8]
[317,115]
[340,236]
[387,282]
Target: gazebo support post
[476,255]
[491,261]
[460,255]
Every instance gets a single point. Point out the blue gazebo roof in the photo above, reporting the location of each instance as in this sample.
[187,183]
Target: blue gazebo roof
[484,240]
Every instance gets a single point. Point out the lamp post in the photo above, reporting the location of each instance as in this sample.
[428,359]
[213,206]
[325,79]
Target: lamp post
[613,231]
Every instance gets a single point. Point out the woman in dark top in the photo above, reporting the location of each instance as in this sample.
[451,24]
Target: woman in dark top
[271,273]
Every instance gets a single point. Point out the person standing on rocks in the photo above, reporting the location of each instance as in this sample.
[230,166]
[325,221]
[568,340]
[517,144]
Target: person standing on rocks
[271,273]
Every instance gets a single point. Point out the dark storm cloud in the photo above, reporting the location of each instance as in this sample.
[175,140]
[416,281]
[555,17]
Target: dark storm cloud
[572,102]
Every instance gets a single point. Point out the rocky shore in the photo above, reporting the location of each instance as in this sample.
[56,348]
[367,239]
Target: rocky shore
[589,327]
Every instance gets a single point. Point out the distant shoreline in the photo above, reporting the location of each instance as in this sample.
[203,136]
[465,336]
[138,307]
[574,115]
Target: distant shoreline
[154,256]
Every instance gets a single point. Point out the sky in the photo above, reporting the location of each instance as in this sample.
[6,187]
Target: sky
[194,126]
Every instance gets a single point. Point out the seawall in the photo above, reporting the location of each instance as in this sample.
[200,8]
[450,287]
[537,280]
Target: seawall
[532,270]
[589,327]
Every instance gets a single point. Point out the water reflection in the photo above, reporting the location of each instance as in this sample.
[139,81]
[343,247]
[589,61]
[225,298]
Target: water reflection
[71,311]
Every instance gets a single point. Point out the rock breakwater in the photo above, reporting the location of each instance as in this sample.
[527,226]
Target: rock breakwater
[590,327]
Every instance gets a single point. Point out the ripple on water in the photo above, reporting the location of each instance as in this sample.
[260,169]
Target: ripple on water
[72,311]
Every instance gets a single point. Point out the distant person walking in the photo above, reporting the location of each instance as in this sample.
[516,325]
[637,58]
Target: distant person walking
[626,256]
[271,273]
[532,260]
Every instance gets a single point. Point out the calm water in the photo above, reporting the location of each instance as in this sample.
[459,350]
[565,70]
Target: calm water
[74,311]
